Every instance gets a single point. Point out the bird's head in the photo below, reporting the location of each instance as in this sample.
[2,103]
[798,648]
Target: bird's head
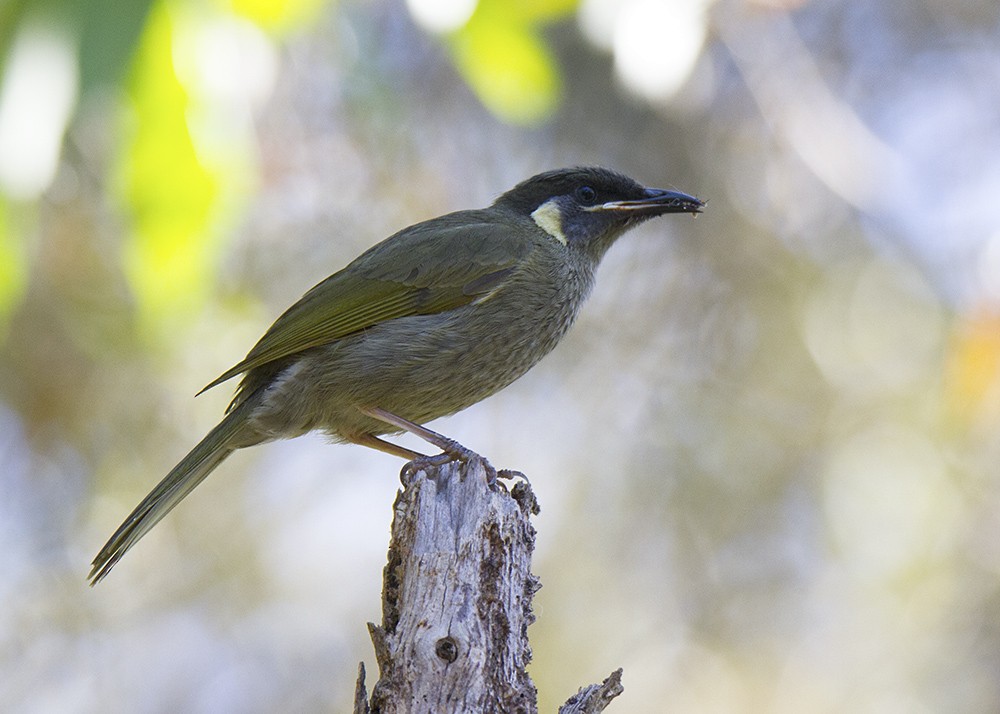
[587,208]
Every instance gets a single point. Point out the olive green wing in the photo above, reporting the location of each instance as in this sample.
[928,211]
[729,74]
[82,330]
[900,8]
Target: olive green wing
[426,269]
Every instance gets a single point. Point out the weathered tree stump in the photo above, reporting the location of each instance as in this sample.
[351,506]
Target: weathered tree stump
[456,600]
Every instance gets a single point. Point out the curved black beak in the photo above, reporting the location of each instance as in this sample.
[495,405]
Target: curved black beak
[656,202]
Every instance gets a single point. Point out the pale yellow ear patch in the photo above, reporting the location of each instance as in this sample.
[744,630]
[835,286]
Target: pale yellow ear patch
[549,219]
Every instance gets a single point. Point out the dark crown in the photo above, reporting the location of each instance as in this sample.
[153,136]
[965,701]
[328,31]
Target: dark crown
[533,192]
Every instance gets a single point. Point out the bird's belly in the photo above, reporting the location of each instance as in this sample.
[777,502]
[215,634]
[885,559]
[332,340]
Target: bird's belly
[419,368]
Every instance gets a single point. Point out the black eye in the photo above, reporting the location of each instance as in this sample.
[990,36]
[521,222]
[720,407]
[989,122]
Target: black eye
[586,195]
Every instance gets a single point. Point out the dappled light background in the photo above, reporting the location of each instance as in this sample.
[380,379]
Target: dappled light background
[767,454]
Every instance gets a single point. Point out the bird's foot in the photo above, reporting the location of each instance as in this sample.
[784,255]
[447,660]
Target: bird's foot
[510,475]
[451,450]
[432,463]
[521,491]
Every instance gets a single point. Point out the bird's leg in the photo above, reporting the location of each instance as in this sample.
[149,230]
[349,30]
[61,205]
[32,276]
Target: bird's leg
[386,447]
[452,450]
[448,446]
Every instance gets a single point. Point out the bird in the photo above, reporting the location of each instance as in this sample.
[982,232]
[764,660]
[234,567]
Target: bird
[433,319]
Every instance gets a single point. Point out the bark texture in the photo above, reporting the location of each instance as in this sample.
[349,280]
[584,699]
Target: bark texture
[456,600]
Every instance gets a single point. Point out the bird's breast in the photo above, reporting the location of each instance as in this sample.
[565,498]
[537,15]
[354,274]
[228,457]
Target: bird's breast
[427,366]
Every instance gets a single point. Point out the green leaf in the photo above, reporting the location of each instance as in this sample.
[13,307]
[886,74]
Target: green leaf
[169,192]
[508,66]
[529,11]
[277,16]
[13,270]
[109,31]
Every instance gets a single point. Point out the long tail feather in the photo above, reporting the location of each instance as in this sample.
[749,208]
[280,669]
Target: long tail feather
[182,479]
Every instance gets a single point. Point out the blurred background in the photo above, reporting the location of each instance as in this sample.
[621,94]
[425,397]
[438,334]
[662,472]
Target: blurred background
[766,455]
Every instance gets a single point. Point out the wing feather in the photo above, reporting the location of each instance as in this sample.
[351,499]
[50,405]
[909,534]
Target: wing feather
[429,268]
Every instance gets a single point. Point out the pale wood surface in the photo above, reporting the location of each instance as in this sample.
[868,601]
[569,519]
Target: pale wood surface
[456,600]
